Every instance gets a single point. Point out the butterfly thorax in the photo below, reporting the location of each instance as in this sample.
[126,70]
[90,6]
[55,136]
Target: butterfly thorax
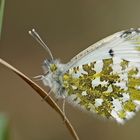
[53,76]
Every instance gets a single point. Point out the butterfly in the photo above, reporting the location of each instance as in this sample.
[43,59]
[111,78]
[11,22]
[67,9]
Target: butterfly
[103,79]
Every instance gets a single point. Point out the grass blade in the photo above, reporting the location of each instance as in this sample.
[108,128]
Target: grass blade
[43,94]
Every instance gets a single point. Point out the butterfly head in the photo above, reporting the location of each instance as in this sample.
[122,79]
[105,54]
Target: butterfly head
[53,69]
[52,77]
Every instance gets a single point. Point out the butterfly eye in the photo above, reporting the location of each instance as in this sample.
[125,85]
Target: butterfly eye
[46,65]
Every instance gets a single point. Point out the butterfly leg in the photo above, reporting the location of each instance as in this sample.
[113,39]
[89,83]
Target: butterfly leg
[38,77]
[42,77]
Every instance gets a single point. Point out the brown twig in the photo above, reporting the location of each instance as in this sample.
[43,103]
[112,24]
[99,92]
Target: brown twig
[43,94]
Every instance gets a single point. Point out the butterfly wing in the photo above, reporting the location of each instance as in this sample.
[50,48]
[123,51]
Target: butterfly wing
[123,43]
[108,81]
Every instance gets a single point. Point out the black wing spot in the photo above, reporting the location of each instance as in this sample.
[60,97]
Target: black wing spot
[129,32]
[111,52]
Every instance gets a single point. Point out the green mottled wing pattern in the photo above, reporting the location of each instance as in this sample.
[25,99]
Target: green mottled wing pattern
[109,86]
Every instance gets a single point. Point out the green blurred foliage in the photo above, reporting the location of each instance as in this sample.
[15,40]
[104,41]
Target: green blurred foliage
[4,128]
[2,3]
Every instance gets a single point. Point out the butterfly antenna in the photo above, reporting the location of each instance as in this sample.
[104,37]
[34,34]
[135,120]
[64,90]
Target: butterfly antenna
[36,36]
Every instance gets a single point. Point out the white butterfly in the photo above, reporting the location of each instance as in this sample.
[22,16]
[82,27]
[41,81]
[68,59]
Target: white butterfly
[103,79]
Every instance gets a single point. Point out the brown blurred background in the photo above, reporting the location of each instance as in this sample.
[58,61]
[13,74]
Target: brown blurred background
[68,26]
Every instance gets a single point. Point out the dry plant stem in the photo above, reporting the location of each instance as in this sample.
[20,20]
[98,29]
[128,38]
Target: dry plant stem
[43,94]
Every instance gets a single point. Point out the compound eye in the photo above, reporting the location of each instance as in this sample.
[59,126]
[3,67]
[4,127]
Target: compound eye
[46,63]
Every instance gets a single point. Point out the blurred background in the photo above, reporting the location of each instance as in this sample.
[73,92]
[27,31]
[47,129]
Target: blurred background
[68,26]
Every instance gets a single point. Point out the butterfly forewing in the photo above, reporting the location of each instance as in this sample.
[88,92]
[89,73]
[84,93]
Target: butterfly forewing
[89,54]
[106,79]
[124,44]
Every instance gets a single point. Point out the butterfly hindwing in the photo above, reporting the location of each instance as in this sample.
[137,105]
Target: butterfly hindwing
[108,81]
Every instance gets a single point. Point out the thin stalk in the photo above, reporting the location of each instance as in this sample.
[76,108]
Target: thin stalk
[43,94]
